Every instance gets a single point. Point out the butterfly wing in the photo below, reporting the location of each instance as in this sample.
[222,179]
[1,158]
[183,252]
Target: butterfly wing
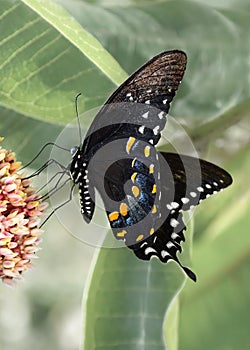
[193,180]
[135,112]
[131,199]
[153,85]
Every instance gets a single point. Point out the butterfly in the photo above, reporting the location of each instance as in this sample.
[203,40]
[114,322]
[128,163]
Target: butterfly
[144,191]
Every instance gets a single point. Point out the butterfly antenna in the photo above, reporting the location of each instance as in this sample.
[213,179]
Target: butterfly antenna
[77,116]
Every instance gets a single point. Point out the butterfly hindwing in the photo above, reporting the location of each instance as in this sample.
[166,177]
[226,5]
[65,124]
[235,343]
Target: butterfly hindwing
[131,196]
[193,180]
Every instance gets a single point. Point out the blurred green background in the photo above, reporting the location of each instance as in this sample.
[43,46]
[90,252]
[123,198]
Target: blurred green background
[45,60]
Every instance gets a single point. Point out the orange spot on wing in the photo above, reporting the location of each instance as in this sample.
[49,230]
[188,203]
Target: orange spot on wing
[139,238]
[154,210]
[151,169]
[154,188]
[147,151]
[133,177]
[130,143]
[135,191]
[151,231]
[123,209]
[113,216]
[121,233]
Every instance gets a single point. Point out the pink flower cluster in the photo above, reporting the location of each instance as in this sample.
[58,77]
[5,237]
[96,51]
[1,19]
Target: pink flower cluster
[20,212]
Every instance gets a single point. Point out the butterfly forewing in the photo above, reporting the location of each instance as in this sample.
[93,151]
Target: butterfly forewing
[143,99]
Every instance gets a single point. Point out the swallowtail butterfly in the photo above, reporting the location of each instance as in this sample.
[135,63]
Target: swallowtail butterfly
[144,191]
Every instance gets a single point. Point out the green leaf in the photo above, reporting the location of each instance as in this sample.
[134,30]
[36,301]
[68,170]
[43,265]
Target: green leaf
[41,67]
[217,310]
[126,300]
[84,41]
[171,325]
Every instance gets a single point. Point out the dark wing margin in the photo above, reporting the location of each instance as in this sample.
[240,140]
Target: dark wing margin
[193,179]
[161,74]
[153,84]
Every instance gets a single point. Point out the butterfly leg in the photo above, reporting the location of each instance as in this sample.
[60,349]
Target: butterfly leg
[60,206]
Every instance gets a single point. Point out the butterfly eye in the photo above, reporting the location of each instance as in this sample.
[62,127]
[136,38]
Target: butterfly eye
[73,150]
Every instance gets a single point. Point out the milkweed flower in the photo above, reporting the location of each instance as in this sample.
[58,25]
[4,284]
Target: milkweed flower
[20,215]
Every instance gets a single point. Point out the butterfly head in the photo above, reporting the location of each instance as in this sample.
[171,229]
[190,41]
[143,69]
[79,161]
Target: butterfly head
[74,150]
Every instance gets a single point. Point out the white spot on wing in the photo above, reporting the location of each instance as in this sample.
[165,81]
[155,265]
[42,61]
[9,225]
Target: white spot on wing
[149,250]
[174,205]
[170,245]
[174,235]
[156,130]
[184,200]
[161,114]
[164,253]
[141,129]
[174,222]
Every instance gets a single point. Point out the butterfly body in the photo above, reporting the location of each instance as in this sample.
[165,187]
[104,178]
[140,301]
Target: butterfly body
[144,191]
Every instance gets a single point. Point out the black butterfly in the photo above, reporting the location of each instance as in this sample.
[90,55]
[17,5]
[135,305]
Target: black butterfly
[144,191]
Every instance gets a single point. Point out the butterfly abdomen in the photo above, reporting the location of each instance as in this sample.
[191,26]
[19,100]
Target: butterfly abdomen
[80,176]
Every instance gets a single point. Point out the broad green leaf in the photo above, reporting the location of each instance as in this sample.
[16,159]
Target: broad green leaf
[126,301]
[42,69]
[217,310]
[171,325]
[84,41]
